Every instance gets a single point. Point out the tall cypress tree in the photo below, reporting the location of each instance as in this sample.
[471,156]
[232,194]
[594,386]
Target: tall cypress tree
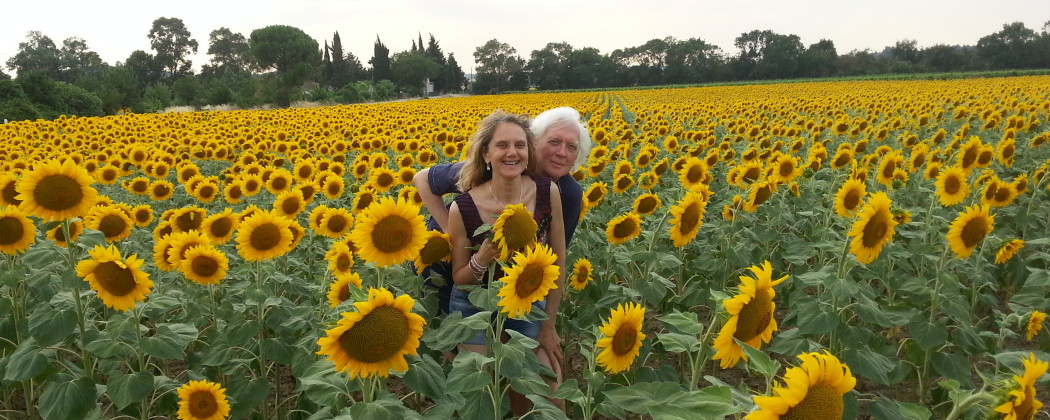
[380,62]
[340,67]
[434,53]
[326,66]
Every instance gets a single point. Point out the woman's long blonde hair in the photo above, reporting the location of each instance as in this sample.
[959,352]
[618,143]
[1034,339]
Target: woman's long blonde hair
[474,172]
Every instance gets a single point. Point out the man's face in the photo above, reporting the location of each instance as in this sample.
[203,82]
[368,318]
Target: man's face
[556,149]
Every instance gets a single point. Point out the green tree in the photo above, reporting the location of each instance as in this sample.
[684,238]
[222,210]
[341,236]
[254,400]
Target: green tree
[144,68]
[452,75]
[434,53]
[173,45]
[819,59]
[499,69]
[228,50]
[410,69]
[944,58]
[114,85]
[692,61]
[76,60]
[1008,48]
[14,104]
[187,91]
[39,53]
[380,61]
[58,98]
[342,71]
[293,54]
[547,67]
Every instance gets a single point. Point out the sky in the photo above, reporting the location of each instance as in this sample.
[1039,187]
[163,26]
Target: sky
[114,29]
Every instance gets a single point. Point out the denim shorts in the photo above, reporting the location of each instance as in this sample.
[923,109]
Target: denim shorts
[458,302]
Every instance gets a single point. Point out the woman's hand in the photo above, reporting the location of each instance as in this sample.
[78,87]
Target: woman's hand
[550,343]
[486,254]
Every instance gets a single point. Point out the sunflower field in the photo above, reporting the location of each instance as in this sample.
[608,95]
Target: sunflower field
[872,249]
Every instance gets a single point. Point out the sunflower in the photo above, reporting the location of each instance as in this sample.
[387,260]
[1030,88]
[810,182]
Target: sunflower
[56,191]
[142,214]
[952,187]
[998,193]
[843,158]
[119,282]
[289,203]
[204,264]
[333,187]
[181,242]
[646,204]
[513,230]
[694,171]
[108,175]
[161,190]
[279,181]
[786,169]
[750,315]
[528,279]
[220,226]
[339,290]
[188,218]
[251,184]
[17,232]
[729,210]
[623,183]
[205,191]
[389,232]
[56,234]
[849,197]
[383,179]
[623,228]
[888,167]
[263,236]
[111,221]
[375,339]
[1035,324]
[687,218]
[1020,401]
[621,338]
[581,274]
[8,193]
[758,193]
[364,198]
[203,400]
[1008,250]
[812,390]
[340,258]
[595,194]
[138,185]
[969,229]
[873,229]
[335,223]
[437,249]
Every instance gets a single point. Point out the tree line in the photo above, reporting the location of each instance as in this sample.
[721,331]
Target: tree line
[281,64]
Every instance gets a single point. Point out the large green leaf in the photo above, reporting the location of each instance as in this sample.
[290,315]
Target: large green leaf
[28,361]
[426,377]
[895,410]
[65,398]
[683,322]
[49,325]
[169,341]
[468,373]
[127,389]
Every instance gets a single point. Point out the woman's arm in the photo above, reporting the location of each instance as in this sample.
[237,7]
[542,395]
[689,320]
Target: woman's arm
[548,338]
[461,252]
[431,201]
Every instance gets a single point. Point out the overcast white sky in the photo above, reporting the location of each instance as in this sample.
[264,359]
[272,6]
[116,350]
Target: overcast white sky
[116,28]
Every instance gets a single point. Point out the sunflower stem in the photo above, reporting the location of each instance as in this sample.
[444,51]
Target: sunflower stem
[1032,199]
[496,392]
[85,358]
[588,402]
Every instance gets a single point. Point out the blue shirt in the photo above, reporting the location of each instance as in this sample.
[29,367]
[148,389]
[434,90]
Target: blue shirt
[443,178]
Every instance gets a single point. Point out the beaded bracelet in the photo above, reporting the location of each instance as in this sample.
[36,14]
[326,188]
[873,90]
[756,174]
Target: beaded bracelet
[475,267]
